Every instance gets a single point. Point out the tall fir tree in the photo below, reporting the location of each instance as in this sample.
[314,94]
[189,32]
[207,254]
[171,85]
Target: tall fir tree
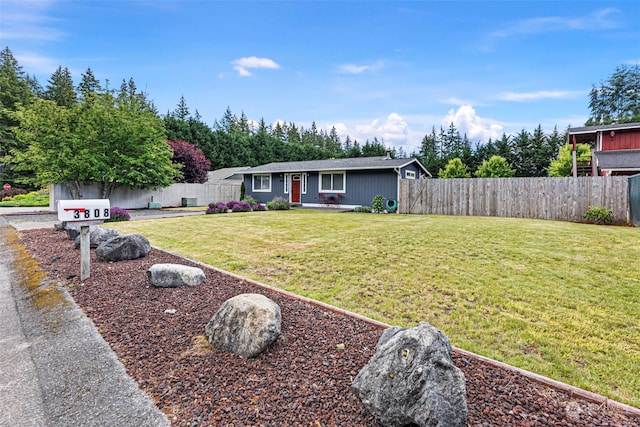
[14,93]
[60,88]
[88,85]
[617,100]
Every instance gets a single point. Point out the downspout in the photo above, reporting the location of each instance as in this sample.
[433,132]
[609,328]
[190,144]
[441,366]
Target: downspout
[399,173]
[574,158]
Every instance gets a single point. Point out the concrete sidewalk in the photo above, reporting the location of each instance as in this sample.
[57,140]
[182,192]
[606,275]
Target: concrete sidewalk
[55,368]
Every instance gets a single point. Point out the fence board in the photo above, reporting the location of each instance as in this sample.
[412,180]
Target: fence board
[565,199]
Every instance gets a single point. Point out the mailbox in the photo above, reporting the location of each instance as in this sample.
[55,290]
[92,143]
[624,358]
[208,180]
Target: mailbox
[84,210]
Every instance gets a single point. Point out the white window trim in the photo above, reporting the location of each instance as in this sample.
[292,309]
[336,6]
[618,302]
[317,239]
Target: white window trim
[287,177]
[410,174]
[344,181]
[303,183]
[268,190]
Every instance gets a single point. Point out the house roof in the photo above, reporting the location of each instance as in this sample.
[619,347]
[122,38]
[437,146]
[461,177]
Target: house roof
[588,133]
[355,163]
[594,129]
[226,175]
[618,160]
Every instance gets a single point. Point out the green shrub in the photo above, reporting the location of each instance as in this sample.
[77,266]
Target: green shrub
[454,169]
[599,215]
[363,209]
[278,204]
[250,200]
[21,198]
[377,204]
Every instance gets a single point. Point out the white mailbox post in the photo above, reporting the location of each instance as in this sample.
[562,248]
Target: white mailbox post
[84,212]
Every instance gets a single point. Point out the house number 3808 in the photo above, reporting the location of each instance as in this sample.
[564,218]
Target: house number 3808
[86,213]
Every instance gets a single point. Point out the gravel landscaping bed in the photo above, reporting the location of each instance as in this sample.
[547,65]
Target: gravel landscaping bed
[302,380]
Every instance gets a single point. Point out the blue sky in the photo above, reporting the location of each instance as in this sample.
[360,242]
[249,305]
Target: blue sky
[390,70]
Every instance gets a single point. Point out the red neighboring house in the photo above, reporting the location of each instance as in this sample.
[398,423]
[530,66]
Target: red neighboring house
[615,148]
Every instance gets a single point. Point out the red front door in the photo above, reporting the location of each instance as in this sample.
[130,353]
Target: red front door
[295,188]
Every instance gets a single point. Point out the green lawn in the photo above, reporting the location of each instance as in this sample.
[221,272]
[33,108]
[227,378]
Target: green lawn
[556,298]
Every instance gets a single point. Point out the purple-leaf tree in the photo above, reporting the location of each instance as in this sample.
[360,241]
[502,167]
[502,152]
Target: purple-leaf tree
[194,164]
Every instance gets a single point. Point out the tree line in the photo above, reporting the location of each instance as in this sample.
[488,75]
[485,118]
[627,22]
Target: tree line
[93,132]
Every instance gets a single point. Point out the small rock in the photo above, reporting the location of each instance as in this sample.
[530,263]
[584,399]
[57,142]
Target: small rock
[174,275]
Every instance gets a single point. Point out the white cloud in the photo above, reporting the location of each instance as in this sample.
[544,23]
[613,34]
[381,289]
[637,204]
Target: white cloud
[37,64]
[600,19]
[467,121]
[393,131]
[27,21]
[541,94]
[359,69]
[242,65]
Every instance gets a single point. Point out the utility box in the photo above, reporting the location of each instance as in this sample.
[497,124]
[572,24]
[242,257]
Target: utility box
[189,202]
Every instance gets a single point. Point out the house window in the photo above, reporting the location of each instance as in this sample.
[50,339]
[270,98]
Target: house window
[410,174]
[262,183]
[303,183]
[286,183]
[333,182]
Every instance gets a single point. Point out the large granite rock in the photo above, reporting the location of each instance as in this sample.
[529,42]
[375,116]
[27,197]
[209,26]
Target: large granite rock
[411,380]
[245,325]
[73,229]
[174,275]
[123,247]
[98,235]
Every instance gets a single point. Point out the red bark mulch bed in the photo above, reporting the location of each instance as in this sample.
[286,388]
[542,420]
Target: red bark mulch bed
[301,380]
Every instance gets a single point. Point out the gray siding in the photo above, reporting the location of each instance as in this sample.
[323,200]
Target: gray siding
[412,167]
[277,188]
[361,187]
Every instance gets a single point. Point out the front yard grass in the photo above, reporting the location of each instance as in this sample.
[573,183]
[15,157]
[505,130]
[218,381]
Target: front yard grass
[556,298]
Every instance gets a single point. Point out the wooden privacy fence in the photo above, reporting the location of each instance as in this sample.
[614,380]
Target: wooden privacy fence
[564,199]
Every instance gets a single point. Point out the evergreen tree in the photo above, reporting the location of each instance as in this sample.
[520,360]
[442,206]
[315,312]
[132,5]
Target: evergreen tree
[88,85]
[278,132]
[182,111]
[35,87]
[505,148]
[373,148]
[618,99]
[334,145]
[430,152]
[14,92]
[60,88]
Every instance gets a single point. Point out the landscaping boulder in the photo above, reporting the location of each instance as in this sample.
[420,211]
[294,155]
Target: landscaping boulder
[123,247]
[245,325]
[73,229]
[411,379]
[98,235]
[174,275]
